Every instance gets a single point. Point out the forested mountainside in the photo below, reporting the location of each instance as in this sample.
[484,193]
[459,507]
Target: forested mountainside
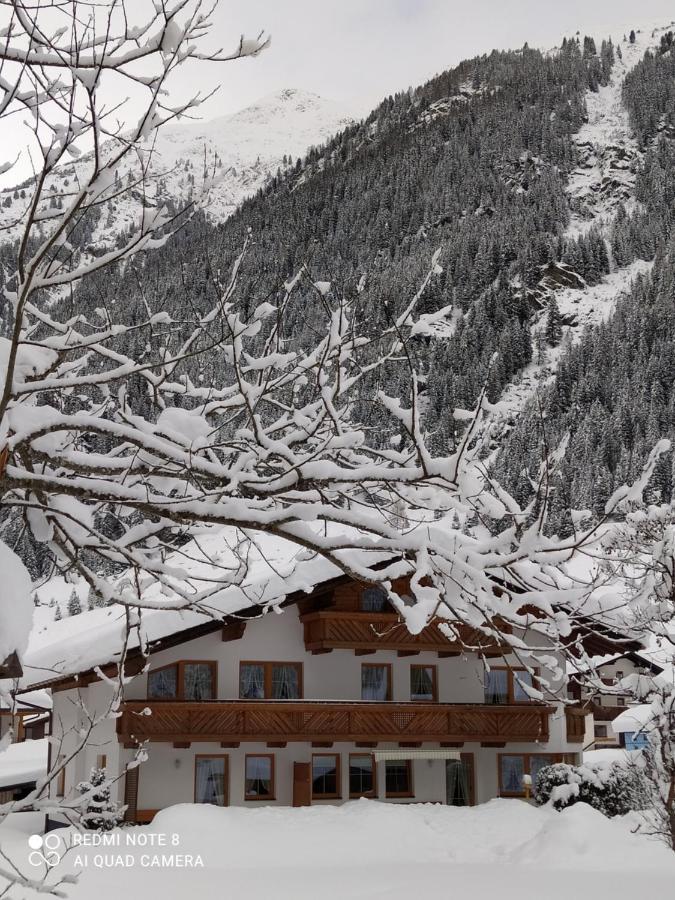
[613,392]
[477,162]
[474,162]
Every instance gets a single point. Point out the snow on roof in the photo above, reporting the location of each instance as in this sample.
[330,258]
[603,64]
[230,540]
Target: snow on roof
[23,763]
[275,569]
[633,719]
[28,700]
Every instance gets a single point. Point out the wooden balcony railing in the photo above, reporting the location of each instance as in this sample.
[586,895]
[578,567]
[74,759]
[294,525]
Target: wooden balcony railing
[233,721]
[332,629]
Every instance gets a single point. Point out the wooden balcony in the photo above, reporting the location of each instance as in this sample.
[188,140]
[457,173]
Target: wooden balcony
[234,721]
[366,632]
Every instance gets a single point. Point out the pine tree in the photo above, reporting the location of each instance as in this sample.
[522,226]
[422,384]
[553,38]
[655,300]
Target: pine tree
[553,330]
[100,811]
[631,37]
[57,614]
[74,605]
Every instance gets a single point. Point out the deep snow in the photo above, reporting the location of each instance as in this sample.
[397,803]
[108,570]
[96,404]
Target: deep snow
[364,849]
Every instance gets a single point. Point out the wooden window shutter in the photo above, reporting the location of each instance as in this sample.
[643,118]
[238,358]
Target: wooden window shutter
[131,794]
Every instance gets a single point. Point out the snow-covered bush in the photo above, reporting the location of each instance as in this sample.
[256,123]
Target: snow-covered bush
[100,811]
[613,790]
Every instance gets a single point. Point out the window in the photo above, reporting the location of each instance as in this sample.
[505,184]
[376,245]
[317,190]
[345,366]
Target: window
[325,776]
[61,778]
[503,686]
[211,779]
[512,768]
[459,781]
[101,761]
[423,683]
[185,680]
[620,701]
[375,681]
[398,778]
[600,731]
[270,681]
[374,599]
[361,775]
[619,675]
[259,777]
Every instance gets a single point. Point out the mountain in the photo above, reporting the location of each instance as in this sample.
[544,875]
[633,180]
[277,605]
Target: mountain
[240,152]
[546,181]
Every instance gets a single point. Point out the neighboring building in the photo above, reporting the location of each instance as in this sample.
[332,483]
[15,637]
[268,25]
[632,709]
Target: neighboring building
[21,765]
[28,716]
[334,699]
[631,727]
[605,707]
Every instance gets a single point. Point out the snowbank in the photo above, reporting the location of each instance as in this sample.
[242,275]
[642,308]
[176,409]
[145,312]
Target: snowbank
[366,849]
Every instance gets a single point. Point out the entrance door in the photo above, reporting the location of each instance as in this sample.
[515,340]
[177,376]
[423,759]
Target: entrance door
[302,784]
[459,781]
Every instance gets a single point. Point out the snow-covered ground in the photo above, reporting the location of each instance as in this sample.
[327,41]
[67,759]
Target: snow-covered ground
[364,849]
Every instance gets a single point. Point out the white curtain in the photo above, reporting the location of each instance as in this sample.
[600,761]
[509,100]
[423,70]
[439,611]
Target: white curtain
[162,683]
[374,599]
[512,774]
[285,683]
[457,783]
[518,693]
[210,781]
[252,683]
[421,683]
[497,686]
[258,776]
[374,683]
[198,681]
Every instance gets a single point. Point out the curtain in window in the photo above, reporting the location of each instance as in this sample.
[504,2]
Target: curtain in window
[513,768]
[525,678]
[497,686]
[324,775]
[457,783]
[163,682]
[252,683]
[285,683]
[374,683]
[210,780]
[198,681]
[361,774]
[421,683]
[374,599]
[258,776]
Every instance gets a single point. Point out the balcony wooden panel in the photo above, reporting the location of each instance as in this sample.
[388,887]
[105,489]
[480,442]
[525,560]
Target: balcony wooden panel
[226,721]
[332,629]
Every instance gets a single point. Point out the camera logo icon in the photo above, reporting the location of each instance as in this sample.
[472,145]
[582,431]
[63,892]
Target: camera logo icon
[44,850]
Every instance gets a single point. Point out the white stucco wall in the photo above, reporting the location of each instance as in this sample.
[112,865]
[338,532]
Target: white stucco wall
[168,776]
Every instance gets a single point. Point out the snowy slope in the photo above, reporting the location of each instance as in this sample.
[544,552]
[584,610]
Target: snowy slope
[239,153]
[604,178]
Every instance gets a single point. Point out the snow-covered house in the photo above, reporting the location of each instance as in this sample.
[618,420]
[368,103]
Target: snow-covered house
[27,716]
[607,705]
[301,687]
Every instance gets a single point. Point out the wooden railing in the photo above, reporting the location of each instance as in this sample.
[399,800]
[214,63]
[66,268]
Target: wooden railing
[331,629]
[232,721]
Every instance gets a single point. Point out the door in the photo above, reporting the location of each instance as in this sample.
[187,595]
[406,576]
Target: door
[302,784]
[459,781]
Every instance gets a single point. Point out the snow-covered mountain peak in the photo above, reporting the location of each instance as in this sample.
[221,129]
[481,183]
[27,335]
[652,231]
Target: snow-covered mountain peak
[240,152]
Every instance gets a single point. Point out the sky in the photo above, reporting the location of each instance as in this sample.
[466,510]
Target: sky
[359,51]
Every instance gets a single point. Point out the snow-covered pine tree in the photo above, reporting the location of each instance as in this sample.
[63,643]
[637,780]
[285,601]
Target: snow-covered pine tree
[74,605]
[99,811]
